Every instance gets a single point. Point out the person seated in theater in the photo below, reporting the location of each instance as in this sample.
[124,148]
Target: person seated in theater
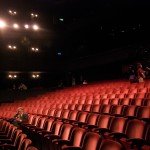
[85,82]
[140,73]
[19,117]
[22,87]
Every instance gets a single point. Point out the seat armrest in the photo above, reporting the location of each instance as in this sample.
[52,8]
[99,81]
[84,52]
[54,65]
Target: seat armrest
[71,147]
[60,141]
[51,136]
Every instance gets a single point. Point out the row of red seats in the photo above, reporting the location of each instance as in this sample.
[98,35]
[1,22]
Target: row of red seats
[87,97]
[59,105]
[140,112]
[109,127]
[13,138]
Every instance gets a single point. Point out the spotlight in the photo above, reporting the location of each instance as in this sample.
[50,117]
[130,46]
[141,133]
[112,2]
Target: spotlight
[12,47]
[35,27]
[61,19]
[34,15]
[2,24]
[12,76]
[34,49]
[9,46]
[11,12]
[16,26]
[35,76]
[26,26]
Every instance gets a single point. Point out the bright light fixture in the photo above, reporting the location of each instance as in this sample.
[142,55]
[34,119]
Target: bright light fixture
[11,12]
[35,27]
[34,15]
[34,49]
[12,47]
[26,26]
[16,26]
[12,76]
[2,24]
[35,76]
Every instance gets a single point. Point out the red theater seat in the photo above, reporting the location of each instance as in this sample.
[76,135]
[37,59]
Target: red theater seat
[135,133]
[75,139]
[125,101]
[105,109]
[143,112]
[114,101]
[129,111]
[116,110]
[103,123]
[108,144]
[91,141]
[95,108]
[146,102]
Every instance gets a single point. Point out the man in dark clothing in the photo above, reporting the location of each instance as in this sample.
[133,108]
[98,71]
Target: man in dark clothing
[20,117]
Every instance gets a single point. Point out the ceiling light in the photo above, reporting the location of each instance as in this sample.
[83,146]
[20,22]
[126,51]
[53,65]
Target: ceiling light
[16,26]
[2,24]
[12,12]
[10,76]
[26,26]
[35,27]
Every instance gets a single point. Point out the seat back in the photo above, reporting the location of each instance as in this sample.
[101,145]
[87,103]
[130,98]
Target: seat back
[116,110]
[117,125]
[147,135]
[41,122]
[15,136]
[65,131]
[65,114]
[73,115]
[104,121]
[48,124]
[129,111]
[19,140]
[82,116]
[91,141]
[105,109]
[56,127]
[24,144]
[35,120]
[108,144]
[77,136]
[135,129]
[143,112]
[92,119]
[30,118]
[31,148]
[11,132]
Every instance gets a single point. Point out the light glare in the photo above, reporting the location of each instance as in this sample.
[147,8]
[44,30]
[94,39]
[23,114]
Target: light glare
[16,26]
[26,26]
[2,24]
[35,27]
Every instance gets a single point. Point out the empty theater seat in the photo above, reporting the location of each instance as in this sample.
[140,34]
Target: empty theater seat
[91,141]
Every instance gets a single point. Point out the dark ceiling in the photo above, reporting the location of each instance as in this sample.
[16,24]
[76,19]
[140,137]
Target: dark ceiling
[90,27]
